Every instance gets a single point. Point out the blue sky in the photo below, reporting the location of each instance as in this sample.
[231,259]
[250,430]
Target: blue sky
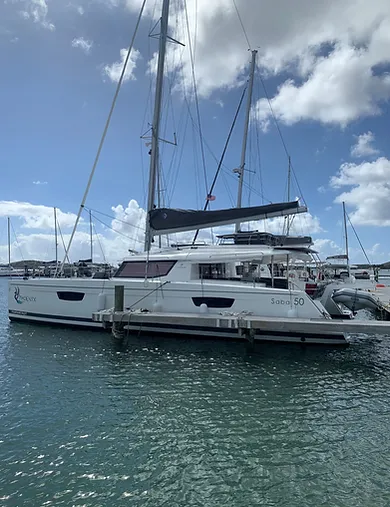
[325,68]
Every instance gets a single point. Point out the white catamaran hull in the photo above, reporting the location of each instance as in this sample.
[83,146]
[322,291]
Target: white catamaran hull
[73,301]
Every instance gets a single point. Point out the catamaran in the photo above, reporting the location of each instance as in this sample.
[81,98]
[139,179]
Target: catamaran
[181,280]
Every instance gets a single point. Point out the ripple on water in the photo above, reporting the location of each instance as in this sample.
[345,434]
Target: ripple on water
[175,422]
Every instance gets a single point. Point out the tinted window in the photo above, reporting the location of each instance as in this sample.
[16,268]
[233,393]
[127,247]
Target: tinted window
[70,296]
[141,269]
[212,271]
[214,302]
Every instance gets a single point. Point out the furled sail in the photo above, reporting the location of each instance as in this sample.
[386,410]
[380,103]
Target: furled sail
[166,220]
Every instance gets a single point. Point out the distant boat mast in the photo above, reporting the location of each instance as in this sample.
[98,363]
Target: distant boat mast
[9,241]
[346,239]
[56,235]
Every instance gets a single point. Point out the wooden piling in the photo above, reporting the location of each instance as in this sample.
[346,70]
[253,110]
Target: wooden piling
[119,303]
[119,298]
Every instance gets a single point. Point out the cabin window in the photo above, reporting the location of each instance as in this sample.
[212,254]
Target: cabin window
[212,271]
[213,302]
[143,269]
[70,296]
[239,270]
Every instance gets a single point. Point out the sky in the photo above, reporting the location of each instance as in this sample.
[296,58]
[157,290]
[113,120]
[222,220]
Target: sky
[321,96]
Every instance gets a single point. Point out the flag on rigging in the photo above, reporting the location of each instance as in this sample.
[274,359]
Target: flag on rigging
[210,197]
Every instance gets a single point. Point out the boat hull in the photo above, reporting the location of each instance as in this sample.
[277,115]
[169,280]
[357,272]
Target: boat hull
[39,301]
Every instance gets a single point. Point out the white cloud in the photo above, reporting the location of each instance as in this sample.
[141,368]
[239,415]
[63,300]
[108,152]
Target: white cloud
[326,247]
[125,231]
[84,44]
[41,246]
[367,191]
[335,52]
[363,146]
[128,224]
[40,182]
[114,70]
[131,222]
[341,88]
[80,10]
[35,216]
[321,189]
[37,11]
[374,250]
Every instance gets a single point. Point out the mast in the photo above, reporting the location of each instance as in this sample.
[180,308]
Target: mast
[245,138]
[346,238]
[154,157]
[159,201]
[90,234]
[56,235]
[9,242]
[288,223]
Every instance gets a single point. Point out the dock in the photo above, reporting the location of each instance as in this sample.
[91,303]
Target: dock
[243,325]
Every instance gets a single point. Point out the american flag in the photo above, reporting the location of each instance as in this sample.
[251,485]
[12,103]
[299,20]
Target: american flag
[210,197]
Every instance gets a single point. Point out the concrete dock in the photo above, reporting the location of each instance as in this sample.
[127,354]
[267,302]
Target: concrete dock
[244,324]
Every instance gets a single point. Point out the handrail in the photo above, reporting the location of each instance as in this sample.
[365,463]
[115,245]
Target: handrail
[149,293]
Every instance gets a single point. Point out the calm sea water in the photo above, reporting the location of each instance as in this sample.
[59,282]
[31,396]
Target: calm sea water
[185,423]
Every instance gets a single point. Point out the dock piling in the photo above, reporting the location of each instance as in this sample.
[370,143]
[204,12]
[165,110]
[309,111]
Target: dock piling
[119,303]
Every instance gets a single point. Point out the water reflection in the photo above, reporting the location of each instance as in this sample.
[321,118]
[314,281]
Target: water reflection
[86,421]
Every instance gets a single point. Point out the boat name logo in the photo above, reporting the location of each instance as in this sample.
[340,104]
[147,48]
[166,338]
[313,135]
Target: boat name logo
[23,299]
[287,302]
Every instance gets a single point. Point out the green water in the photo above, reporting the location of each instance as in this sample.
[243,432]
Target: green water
[184,423]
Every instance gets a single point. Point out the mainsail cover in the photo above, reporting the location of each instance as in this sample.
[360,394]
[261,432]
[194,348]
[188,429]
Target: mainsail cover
[167,220]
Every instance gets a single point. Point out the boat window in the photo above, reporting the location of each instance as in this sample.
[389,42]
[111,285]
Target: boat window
[213,302]
[70,296]
[142,269]
[212,271]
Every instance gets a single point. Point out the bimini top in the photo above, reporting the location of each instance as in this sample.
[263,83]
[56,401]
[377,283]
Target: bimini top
[266,238]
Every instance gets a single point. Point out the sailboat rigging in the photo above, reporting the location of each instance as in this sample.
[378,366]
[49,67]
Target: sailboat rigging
[181,281]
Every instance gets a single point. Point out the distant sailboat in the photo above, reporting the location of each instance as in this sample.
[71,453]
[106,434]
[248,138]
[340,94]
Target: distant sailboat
[7,270]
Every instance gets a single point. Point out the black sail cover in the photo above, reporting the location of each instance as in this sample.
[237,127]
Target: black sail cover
[167,220]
